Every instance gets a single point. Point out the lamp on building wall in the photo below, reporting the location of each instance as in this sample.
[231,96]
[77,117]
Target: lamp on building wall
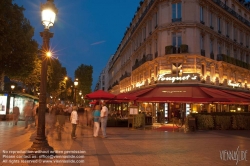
[12,88]
[48,13]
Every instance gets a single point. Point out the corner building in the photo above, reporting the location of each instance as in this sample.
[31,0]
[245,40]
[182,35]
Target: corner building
[178,44]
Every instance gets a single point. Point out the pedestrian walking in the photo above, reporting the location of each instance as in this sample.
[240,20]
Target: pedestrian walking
[104,119]
[35,113]
[96,115]
[89,116]
[28,114]
[16,113]
[74,121]
[60,115]
[81,118]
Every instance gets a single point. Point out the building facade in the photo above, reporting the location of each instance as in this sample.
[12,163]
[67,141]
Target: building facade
[180,42]
[102,82]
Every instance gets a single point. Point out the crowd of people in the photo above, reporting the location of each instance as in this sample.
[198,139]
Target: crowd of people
[58,114]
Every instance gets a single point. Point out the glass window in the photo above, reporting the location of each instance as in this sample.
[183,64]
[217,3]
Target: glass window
[241,57]
[227,29]
[156,46]
[211,46]
[201,14]
[176,40]
[202,43]
[228,51]
[176,12]
[219,49]
[247,40]
[241,37]
[219,25]
[211,19]
[235,54]
[235,34]
[150,26]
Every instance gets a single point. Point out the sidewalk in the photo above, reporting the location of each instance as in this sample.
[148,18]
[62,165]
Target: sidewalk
[125,147]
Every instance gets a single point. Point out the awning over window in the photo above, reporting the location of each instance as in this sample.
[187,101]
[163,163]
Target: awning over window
[220,95]
[190,94]
[182,94]
[131,96]
[239,94]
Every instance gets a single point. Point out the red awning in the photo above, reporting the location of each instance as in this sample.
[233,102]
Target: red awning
[190,94]
[131,96]
[100,94]
[181,94]
[221,96]
[239,94]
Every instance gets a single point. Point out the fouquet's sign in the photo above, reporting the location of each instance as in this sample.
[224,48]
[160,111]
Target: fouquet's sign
[166,77]
[230,83]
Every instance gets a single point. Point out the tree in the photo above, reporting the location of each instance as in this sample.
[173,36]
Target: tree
[85,79]
[18,49]
[56,74]
[32,81]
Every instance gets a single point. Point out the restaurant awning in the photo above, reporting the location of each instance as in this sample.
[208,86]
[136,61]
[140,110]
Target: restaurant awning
[221,95]
[131,96]
[190,94]
[243,95]
[181,94]
[100,94]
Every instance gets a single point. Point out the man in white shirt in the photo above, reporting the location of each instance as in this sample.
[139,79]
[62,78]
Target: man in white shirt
[74,121]
[104,119]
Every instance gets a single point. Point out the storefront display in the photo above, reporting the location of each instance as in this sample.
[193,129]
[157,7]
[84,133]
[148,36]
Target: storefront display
[3,103]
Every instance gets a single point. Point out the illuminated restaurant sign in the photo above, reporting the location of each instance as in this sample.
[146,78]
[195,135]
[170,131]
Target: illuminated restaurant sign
[230,83]
[164,77]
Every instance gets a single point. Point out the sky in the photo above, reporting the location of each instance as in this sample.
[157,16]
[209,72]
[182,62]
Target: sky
[85,31]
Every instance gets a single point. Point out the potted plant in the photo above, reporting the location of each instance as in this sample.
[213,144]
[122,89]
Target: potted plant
[169,49]
[184,48]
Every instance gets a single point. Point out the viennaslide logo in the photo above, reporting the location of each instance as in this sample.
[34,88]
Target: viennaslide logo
[233,155]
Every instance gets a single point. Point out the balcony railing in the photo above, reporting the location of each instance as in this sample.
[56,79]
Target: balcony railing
[212,55]
[176,50]
[231,60]
[176,19]
[145,59]
[125,75]
[232,12]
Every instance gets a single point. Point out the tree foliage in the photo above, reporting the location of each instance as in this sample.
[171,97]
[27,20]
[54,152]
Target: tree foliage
[56,74]
[32,81]
[85,79]
[18,49]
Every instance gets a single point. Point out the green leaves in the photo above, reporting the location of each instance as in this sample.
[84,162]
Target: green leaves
[18,49]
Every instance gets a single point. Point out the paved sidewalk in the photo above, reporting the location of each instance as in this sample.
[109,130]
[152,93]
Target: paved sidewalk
[125,147]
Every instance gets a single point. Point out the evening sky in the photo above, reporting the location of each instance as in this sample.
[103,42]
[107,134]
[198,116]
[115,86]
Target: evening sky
[85,31]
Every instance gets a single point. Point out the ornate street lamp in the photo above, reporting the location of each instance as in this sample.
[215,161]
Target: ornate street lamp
[12,90]
[49,12]
[75,84]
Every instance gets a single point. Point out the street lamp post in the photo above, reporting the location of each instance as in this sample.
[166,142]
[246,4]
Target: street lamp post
[75,83]
[80,94]
[49,12]
[65,91]
[12,90]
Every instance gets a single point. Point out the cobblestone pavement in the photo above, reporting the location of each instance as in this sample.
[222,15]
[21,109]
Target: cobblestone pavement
[125,147]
